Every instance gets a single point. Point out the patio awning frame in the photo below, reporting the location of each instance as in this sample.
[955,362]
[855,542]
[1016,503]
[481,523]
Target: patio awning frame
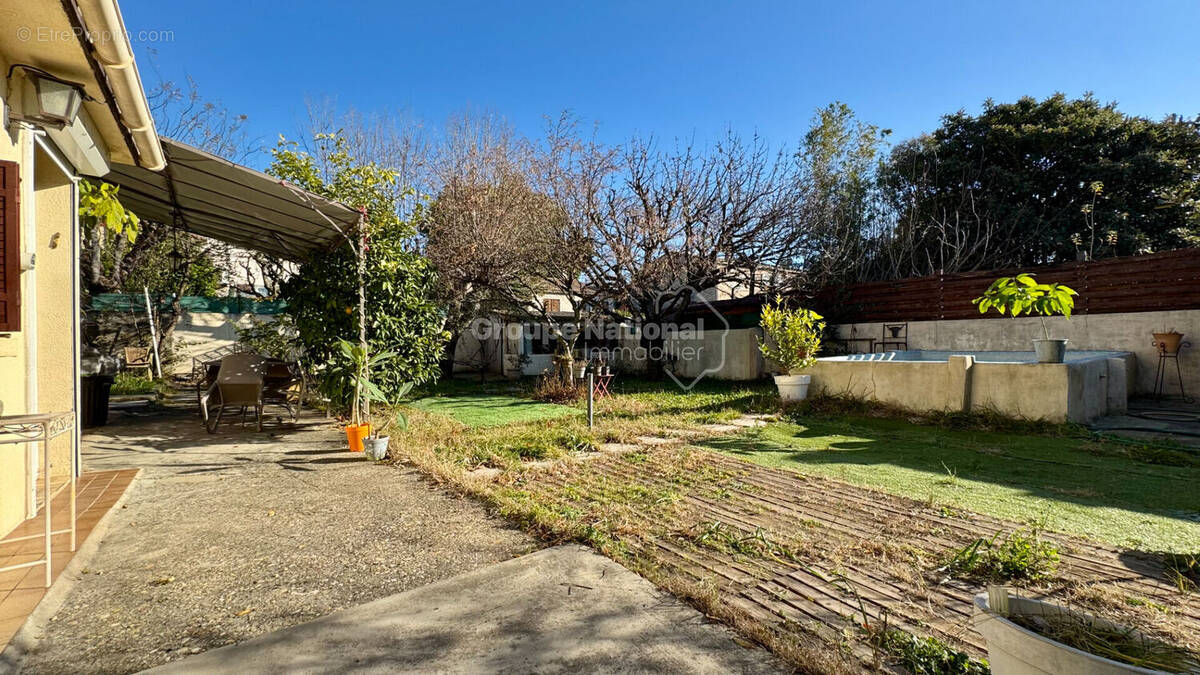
[214,197]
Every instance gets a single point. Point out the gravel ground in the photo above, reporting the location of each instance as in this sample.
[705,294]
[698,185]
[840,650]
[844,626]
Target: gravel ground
[229,536]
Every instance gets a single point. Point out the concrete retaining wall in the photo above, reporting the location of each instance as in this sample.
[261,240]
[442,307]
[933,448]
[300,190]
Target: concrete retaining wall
[1078,391]
[1103,332]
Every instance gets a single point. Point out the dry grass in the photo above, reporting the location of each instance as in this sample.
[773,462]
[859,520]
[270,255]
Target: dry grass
[629,506]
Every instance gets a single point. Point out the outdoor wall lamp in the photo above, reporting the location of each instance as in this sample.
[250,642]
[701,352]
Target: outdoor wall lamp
[57,99]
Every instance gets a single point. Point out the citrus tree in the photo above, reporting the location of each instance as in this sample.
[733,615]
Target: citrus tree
[401,315]
[795,335]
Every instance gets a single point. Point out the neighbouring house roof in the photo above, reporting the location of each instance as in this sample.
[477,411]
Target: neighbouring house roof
[214,197]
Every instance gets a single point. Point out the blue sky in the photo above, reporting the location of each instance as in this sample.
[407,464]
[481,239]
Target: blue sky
[676,70]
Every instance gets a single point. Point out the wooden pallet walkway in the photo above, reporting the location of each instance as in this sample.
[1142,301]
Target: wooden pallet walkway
[853,555]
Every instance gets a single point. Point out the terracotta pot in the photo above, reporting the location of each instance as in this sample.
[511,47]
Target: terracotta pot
[1168,343]
[355,433]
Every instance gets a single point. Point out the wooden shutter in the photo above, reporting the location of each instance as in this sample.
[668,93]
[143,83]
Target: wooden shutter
[10,247]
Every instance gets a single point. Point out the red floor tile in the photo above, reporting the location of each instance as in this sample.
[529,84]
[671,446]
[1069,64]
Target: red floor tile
[21,590]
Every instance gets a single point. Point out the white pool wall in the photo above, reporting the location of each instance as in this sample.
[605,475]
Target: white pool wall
[1089,384]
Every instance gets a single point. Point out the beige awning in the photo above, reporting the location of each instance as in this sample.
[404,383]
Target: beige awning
[216,198]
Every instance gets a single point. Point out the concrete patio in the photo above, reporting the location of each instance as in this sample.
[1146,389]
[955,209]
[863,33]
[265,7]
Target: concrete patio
[228,536]
[240,538]
[562,609]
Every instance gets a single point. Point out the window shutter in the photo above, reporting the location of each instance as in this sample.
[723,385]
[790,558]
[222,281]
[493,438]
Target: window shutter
[10,248]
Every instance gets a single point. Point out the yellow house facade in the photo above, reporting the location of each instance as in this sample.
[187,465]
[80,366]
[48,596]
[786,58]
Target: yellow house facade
[47,49]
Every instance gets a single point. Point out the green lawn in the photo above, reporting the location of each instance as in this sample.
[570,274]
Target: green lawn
[1075,485]
[487,404]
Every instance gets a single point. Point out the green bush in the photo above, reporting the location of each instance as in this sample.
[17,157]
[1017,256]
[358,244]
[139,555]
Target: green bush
[401,314]
[795,336]
[129,383]
[929,656]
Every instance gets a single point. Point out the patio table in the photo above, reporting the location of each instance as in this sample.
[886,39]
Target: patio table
[43,427]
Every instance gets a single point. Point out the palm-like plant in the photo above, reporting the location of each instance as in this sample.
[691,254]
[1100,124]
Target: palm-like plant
[358,373]
[1022,294]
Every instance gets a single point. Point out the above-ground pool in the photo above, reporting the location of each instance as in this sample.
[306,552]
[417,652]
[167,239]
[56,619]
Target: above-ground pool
[1088,385]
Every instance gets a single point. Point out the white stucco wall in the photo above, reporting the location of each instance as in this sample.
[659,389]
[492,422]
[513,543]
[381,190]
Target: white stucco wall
[199,332]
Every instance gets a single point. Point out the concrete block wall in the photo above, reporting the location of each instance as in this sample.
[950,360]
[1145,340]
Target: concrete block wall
[1129,332]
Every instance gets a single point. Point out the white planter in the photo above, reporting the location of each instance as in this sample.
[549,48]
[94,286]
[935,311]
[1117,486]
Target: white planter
[1013,650]
[376,448]
[793,387]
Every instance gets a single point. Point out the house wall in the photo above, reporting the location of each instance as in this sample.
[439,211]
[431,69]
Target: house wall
[13,458]
[54,204]
[47,209]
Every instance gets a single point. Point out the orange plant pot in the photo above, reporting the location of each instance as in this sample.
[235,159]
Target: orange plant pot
[355,433]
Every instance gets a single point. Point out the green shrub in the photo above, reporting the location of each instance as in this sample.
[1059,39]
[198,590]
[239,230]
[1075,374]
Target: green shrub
[401,314]
[795,335]
[129,383]
[929,656]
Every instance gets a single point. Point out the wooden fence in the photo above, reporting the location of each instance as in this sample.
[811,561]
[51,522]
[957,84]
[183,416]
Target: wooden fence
[1155,282]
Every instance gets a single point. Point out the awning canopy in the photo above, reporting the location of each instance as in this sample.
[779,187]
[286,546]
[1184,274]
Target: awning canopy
[216,198]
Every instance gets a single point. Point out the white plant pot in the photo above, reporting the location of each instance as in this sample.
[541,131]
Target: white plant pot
[1013,650]
[793,387]
[376,448]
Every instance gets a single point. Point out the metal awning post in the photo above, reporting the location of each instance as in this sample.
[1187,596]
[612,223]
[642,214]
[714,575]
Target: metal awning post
[361,252]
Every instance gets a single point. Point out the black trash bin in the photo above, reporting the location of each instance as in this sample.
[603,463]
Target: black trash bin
[94,393]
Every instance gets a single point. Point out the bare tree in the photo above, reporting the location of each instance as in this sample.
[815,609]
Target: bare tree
[481,232]
[668,224]
[395,139]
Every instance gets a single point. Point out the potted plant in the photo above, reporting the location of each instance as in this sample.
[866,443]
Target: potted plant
[376,445]
[1031,637]
[358,373]
[1168,342]
[794,340]
[1022,294]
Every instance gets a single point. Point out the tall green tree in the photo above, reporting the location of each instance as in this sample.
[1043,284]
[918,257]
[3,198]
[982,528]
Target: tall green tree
[402,315]
[842,210]
[1035,182]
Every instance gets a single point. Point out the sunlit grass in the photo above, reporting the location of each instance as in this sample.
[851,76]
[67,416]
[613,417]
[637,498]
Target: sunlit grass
[1072,484]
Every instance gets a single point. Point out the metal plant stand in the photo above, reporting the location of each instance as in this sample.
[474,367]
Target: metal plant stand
[29,429]
[1160,375]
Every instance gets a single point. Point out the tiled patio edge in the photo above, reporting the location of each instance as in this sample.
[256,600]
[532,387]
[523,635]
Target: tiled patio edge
[26,638]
